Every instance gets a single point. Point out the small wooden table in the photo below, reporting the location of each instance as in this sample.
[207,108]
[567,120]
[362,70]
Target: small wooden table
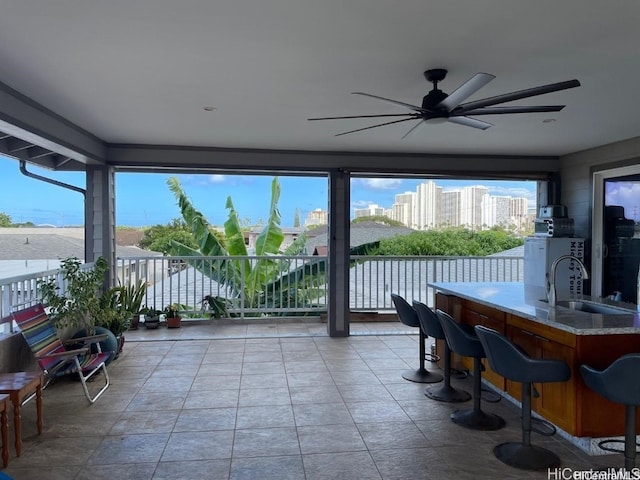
[19,385]
[4,430]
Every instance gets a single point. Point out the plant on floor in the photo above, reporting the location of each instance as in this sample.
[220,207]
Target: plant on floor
[259,283]
[173,314]
[218,307]
[79,305]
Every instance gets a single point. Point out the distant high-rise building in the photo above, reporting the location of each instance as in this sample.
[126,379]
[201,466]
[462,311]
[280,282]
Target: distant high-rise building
[403,209]
[372,210]
[426,212]
[471,206]
[450,209]
[317,217]
[518,211]
[495,211]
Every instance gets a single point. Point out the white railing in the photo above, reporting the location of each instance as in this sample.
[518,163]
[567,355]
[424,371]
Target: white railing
[300,288]
[374,278]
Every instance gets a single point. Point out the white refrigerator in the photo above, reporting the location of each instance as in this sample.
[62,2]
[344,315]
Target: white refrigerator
[539,254]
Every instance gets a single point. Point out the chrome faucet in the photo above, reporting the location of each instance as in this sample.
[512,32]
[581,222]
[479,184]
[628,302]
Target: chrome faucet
[551,277]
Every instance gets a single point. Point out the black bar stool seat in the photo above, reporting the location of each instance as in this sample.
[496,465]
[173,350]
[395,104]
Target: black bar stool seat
[619,383]
[464,342]
[431,325]
[409,317]
[510,361]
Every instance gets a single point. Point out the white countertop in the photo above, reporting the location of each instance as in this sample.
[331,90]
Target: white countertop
[510,297]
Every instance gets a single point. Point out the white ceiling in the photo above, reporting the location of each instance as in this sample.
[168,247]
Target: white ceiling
[140,71]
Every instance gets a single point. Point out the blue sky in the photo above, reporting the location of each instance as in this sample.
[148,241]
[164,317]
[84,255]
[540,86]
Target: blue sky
[145,199]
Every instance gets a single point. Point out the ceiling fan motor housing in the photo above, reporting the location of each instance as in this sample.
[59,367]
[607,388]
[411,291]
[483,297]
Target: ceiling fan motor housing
[433,98]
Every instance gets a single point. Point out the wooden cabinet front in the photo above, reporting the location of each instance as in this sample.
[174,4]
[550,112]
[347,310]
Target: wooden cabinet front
[570,405]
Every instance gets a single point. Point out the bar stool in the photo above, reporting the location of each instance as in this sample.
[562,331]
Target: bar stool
[619,383]
[409,317]
[467,344]
[431,326]
[508,360]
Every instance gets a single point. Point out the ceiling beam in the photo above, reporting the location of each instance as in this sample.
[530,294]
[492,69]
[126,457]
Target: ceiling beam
[145,157]
[27,120]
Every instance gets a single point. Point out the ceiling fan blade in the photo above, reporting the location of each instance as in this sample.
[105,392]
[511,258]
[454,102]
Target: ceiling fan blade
[508,97]
[465,90]
[421,123]
[394,102]
[470,122]
[514,109]
[375,126]
[365,116]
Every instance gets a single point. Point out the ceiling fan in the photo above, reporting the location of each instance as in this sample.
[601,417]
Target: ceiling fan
[438,107]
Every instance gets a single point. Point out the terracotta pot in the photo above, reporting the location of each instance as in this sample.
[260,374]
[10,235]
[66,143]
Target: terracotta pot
[174,322]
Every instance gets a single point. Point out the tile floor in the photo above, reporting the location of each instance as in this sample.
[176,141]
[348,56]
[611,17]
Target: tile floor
[273,402]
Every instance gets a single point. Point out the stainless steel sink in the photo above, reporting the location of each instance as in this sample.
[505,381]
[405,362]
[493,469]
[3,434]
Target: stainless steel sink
[592,307]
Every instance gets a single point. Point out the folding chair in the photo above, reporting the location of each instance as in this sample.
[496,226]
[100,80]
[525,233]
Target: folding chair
[52,354]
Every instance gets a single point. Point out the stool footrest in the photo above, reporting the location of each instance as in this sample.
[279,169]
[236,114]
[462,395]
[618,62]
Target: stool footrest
[603,446]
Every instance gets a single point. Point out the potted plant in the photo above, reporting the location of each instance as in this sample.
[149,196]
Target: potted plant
[82,309]
[152,318]
[79,306]
[131,298]
[173,315]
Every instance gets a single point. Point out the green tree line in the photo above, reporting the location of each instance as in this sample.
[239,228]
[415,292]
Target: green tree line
[450,242]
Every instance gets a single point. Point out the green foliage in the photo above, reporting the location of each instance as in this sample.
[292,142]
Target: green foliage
[173,310]
[379,219]
[267,282]
[5,220]
[450,242]
[218,306]
[113,314]
[159,238]
[80,307]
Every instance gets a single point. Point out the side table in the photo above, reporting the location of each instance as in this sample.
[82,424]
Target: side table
[19,385]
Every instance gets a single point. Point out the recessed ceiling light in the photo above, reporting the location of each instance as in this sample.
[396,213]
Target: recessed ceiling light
[208,109]
[548,120]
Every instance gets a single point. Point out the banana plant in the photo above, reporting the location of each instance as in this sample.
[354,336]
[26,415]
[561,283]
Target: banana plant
[258,282]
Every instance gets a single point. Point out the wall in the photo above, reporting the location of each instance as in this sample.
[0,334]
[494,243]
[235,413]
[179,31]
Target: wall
[576,172]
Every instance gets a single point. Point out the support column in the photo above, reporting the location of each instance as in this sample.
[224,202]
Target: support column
[100,219]
[338,252]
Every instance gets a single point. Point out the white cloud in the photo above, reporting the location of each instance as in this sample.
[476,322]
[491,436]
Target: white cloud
[361,203]
[381,183]
[216,178]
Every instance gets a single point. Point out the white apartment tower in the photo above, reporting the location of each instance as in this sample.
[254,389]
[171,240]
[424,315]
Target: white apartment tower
[495,211]
[373,210]
[518,211]
[403,209]
[450,209]
[471,206]
[317,217]
[427,210]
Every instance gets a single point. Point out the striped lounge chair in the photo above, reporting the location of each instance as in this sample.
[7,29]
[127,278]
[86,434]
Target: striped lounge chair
[52,355]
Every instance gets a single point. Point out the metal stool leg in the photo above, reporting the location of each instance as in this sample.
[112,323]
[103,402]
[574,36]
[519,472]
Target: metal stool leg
[422,375]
